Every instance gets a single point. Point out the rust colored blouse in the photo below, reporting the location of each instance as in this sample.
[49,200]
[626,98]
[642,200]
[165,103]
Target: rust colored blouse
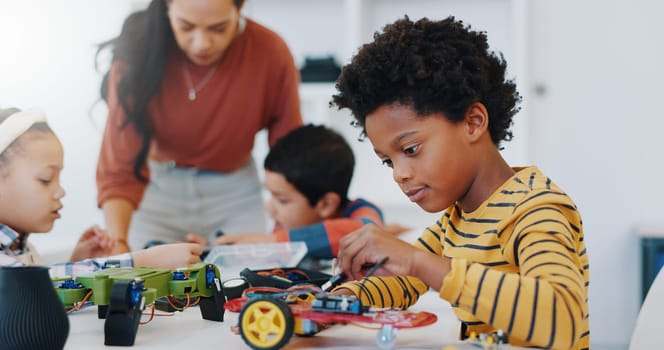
[254,87]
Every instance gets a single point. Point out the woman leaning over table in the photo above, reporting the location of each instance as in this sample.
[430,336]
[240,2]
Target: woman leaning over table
[191,84]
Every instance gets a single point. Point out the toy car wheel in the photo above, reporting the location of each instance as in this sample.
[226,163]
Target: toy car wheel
[125,295]
[120,299]
[266,323]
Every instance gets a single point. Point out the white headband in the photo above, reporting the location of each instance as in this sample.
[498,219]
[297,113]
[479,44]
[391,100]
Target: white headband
[17,124]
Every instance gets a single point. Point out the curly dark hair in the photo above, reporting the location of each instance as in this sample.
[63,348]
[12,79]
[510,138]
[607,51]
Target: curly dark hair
[432,66]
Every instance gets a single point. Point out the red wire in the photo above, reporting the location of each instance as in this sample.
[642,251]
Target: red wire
[171,301]
[151,315]
[79,305]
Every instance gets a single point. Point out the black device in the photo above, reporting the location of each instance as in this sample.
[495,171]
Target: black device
[292,276]
[320,69]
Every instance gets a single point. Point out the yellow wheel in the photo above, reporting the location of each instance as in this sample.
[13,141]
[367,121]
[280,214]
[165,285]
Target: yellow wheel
[266,323]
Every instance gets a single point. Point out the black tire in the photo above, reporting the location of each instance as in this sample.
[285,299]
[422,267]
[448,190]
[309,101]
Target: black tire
[282,318]
[120,300]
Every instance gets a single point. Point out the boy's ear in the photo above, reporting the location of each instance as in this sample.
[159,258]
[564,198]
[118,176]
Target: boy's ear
[328,205]
[477,121]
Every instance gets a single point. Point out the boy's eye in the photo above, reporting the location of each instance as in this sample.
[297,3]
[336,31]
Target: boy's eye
[411,149]
[387,162]
[186,27]
[45,181]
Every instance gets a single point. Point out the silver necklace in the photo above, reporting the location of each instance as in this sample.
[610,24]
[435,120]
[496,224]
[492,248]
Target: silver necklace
[192,90]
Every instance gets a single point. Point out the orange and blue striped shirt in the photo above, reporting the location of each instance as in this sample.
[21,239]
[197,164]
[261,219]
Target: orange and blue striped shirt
[322,238]
[518,264]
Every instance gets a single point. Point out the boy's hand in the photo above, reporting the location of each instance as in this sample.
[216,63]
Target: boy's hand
[196,238]
[396,229]
[93,243]
[367,246]
[247,238]
[168,256]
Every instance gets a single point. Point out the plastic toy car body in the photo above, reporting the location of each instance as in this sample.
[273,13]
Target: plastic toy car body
[268,321]
[121,295]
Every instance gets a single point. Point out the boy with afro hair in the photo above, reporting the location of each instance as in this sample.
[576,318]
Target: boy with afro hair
[508,251]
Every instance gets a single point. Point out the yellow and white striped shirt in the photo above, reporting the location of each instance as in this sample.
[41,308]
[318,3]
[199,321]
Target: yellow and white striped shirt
[519,264]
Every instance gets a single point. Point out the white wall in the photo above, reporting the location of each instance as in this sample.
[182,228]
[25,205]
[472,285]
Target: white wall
[596,130]
[330,27]
[46,61]
[55,71]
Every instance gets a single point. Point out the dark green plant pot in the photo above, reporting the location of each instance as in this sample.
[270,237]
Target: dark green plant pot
[31,314]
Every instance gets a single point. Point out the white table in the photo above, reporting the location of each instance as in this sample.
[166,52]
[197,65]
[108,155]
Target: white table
[188,331]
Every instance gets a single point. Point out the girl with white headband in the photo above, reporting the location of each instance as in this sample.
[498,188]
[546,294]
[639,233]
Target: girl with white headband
[31,159]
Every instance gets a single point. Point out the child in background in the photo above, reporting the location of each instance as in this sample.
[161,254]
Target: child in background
[308,172]
[508,252]
[31,159]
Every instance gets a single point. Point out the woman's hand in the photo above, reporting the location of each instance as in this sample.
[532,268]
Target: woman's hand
[365,247]
[117,214]
[169,256]
[93,243]
[120,246]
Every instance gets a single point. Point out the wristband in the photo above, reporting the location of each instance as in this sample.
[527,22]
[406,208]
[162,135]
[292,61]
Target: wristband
[111,263]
